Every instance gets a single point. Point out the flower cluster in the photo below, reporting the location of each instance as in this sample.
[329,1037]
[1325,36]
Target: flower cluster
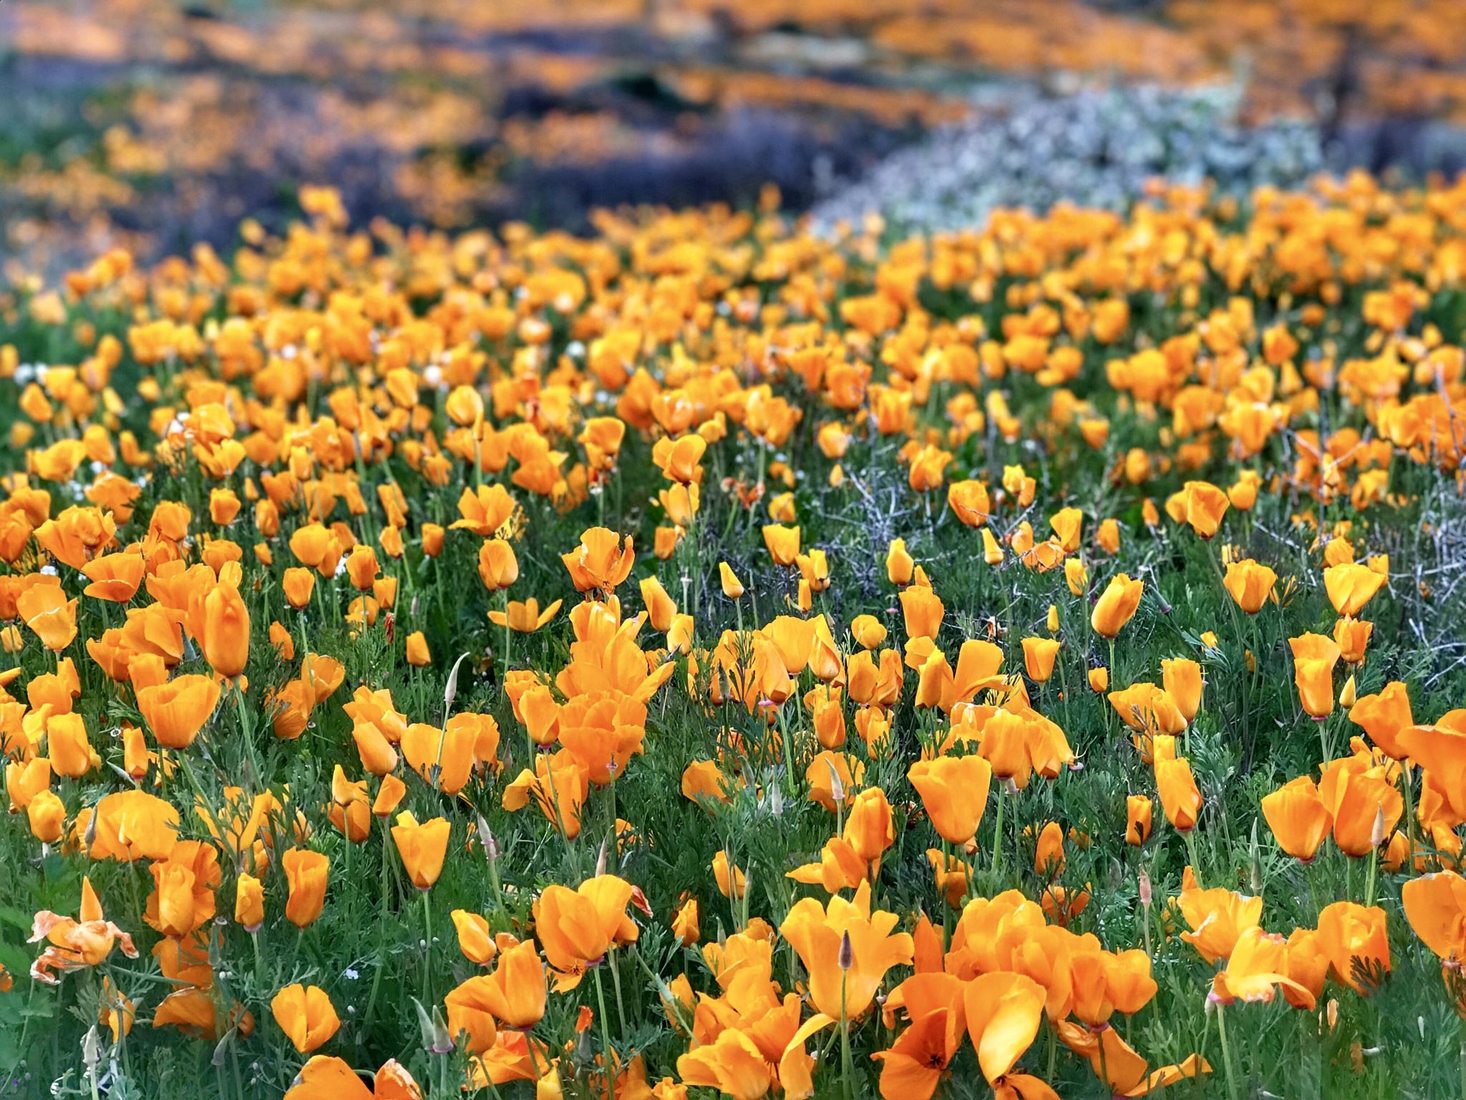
[708,656]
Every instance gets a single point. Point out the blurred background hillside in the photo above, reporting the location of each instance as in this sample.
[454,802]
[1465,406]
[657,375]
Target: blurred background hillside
[156,124]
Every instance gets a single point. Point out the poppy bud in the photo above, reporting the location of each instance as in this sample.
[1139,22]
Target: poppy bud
[497,566]
[249,903]
[226,631]
[1117,605]
[732,586]
[46,815]
[899,564]
[307,873]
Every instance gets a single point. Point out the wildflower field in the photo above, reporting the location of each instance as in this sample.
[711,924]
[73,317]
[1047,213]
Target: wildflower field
[703,657]
[719,651]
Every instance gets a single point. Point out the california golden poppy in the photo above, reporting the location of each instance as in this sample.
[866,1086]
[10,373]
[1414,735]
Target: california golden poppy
[421,847]
[306,1016]
[177,710]
[1116,606]
[954,792]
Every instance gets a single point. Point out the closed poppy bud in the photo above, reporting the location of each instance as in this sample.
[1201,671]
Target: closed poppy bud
[1314,657]
[464,406]
[1107,536]
[1298,818]
[1076,576]
[68,746]
[782,543]
[175,711]
[432,539]
[226,631]
[1117,605]
[282,641]
[954,792]
[1139,819]
[1181,677]
[1048,855]
[46,815]
[474,939]
[378,756]
[992,553]
[422,847]
[390,541]
[298,583]
[1349,693]
[665,540]
[417,650]
[249,903]
[134,752]
[679,633]
[1067,525]
[1052,621]
[659,606]
[685,923]
[1179,795]
[868,631]
[307,873]
[732,586]
[306,1016]
[1099,679]
[497,566]
[223,506]
[1038,658]
[868,826]
[362,566]
[899,564]
[389,795]
[1249,584]
[728,876]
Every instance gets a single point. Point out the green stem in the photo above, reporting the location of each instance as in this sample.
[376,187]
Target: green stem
[427,955]
[605,1036]
[998,839]
[847,1061]
[1226,1052]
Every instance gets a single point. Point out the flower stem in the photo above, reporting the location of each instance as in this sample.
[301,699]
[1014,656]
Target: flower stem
[1226,1051]
[605,1036]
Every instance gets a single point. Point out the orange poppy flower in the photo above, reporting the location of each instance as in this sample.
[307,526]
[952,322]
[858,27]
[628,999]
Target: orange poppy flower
[307,873]
[306,1016]
[601,562]
[1298,818]
[175,711]
[578,927]
[422,847]
[1314,658]
[954,792]
[1117,605]
[816,933]
[1249,584]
